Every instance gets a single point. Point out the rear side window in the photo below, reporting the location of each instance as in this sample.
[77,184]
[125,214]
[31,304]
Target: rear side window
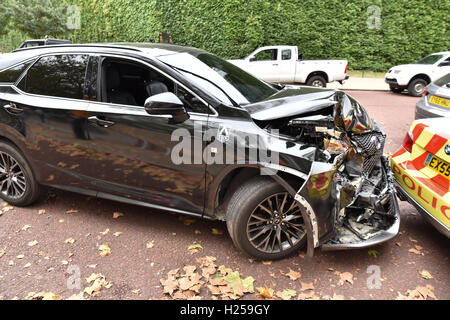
[58,76]
[12,75]
[286,54]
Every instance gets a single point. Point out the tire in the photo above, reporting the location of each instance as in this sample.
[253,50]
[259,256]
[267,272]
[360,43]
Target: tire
[397,90]
[416,87]
[242,207]
[18,185]
[317,81]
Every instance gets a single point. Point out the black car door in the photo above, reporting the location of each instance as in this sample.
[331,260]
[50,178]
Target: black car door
[134,148]
[50,101]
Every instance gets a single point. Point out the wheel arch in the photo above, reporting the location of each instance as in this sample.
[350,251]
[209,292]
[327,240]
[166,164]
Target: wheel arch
[423,76]
[318,73]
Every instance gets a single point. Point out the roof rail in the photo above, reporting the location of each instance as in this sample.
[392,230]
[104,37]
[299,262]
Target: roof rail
[110,46]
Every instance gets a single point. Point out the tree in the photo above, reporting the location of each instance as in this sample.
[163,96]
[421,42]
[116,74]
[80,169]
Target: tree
[36,18]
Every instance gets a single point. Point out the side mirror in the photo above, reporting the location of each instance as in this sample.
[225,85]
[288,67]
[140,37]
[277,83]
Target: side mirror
[167,103]
[252,59]
[444,64]
[300,56]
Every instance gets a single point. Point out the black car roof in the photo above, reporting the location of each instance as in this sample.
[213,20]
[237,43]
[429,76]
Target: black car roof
[123,46]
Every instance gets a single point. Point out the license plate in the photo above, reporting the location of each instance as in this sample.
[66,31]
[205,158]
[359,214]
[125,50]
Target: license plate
[440,101]
[438,165]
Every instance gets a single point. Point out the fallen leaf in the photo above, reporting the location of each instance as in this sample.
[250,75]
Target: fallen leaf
[99,282]
[136,291]
[195,248]
[197,232]
[188,222]
[419,293]
[105,250]
[71,211]
[2,252]
[116,215]
[105,232]
[287,294]
[27,265]
[373,253]
[293,275]
[116,234]
[307,286]
[267,263]
[26,227]
[399,244]
[150,244]
[415,251]
[266,292]
[345,277]
[20,256]
[426,275]
[70,241]
[216,232]
[42,211]
[43,296]
[32,243]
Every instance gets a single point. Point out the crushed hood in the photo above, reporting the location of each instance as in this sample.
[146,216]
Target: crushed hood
[292,101]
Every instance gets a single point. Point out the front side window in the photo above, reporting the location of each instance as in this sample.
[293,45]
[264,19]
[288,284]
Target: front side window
[129,83]
[11,75]
[57,76]
[266,55]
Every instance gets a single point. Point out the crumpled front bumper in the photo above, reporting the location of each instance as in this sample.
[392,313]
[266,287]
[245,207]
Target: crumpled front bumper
[347,238]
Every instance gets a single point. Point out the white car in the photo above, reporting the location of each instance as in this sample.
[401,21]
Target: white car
[283,64]
[415,77]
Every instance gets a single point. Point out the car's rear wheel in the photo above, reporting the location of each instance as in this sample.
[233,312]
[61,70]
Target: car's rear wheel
[18,186]
[317,81]
[265,221]
[417,87]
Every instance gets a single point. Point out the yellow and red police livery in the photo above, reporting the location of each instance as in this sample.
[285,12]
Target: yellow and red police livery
[422,170]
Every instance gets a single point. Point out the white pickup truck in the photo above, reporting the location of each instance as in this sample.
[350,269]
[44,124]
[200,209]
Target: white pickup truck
[283,64]
[416,76]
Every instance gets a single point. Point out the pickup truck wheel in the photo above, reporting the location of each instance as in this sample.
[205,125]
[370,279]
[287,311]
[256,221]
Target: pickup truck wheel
[18,186]
[317,81]
[265,221]
[416,87]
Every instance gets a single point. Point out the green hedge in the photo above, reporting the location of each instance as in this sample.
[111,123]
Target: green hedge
[330,29]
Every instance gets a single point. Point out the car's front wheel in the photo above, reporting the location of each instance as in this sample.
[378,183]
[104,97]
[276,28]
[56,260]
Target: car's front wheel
[18,186]
[417,87]
[265,221]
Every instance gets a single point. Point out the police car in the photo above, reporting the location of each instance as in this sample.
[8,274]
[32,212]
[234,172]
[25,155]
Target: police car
[422,170]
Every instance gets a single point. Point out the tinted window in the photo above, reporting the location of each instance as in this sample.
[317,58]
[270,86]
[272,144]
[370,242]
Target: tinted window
[11,75]
[267,55]
[58,76]
[443,81]
[191,103]
[432,59]
[286,54]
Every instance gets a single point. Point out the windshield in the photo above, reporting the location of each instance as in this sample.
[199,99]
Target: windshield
[432,59]
[240,86]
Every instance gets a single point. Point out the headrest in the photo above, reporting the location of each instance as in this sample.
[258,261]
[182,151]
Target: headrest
[156,87]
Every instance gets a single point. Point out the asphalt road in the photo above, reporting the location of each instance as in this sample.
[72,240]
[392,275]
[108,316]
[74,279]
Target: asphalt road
[35,256]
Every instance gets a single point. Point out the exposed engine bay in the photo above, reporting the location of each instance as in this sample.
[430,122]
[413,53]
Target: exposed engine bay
[355,177]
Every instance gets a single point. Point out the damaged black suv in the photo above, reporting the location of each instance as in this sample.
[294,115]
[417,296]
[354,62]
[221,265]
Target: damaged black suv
[176,128]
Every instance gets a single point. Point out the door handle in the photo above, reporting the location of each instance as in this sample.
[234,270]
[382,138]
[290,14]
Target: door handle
[13,109]
[101,122]
[275,64]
